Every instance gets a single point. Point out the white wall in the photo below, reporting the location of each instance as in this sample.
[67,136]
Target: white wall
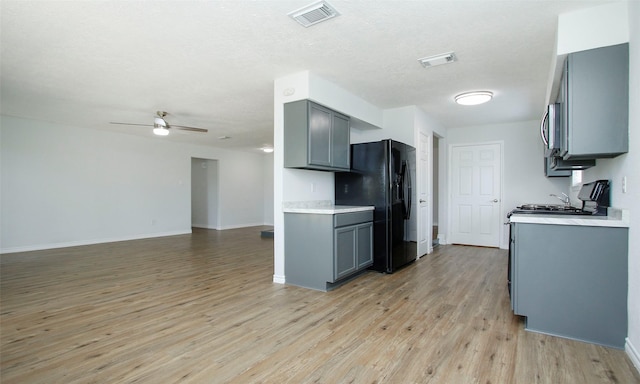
[523,174]
[397,124]
[241,179]
[593,27]
[64,186]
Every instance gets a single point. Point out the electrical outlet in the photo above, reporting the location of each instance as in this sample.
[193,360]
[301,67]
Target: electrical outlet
[624,184]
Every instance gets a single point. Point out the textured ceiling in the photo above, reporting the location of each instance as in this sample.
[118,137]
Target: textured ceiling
[212,64]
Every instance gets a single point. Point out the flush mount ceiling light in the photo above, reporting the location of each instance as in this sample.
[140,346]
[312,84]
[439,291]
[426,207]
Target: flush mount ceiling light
[474,98]
[314,13]
[267,149]
[443,58]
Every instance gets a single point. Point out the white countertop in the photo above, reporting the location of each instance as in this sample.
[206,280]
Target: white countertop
[616,218]
[321,207]
[330,210]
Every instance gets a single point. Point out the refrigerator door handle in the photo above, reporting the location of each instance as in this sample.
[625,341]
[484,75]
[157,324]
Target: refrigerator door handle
[409,191]
[405,180]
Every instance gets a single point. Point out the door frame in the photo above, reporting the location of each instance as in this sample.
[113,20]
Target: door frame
[210,200]
[424,224]
[450,209]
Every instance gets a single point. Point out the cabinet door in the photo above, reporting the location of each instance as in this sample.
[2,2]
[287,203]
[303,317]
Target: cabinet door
[345,251]
[340,156]
[320,120]
[365,245]
[597,91]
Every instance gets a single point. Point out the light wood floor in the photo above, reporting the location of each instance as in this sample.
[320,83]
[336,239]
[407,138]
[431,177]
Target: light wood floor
[202,308]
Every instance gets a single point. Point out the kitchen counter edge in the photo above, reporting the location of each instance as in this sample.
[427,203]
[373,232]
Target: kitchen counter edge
[328,210]
[616,218]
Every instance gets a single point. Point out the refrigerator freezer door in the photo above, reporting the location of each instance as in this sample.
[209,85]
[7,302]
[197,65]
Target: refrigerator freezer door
[380,176]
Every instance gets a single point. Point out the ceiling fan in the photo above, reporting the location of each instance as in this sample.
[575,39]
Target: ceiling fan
[161,127]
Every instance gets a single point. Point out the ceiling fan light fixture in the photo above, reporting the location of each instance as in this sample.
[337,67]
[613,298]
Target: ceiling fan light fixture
[159,121]
[160,130]
[160,127]
[474,98]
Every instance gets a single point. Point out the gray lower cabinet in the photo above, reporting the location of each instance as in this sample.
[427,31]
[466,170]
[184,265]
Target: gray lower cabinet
[315,137]
[571,281]
[322,250]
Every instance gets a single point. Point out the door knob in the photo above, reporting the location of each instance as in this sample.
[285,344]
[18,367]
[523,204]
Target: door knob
[423,201]
[495,200]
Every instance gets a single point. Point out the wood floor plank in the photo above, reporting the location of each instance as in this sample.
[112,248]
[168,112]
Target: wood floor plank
[202,308]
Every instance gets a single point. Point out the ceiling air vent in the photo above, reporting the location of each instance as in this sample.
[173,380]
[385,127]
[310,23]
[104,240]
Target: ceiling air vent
[314,13]
[432,61]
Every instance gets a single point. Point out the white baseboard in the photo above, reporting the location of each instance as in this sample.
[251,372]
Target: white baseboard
[40,247]
[279,279]
[237,226]
[633,354]
[203,226]
[240,226]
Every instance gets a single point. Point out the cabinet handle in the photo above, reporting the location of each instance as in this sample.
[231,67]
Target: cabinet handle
[542,133]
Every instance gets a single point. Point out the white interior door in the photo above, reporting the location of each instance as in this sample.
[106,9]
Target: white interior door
[476,172]
[424,196]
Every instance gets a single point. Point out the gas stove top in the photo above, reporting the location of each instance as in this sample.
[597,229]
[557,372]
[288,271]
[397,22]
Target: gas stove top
[549,209]
[594,196]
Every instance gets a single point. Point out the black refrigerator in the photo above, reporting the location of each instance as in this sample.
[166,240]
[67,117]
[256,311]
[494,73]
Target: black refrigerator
[381,175]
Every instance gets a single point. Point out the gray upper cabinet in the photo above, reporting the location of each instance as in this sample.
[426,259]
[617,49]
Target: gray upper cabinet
[315,137]
[549,171]
[595,97]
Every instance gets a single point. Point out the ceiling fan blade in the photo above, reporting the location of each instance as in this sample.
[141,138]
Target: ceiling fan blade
[142,125]
[192,129]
